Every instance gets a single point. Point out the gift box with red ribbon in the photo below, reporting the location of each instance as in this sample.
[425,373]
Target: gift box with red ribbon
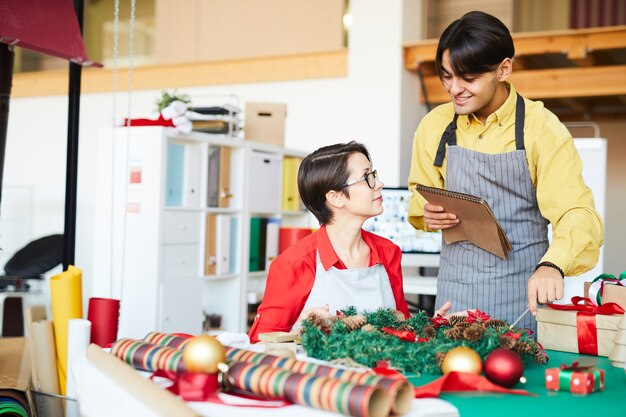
[576,379]
[580,327]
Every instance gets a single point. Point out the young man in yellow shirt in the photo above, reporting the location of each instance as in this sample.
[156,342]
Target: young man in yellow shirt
[515,154]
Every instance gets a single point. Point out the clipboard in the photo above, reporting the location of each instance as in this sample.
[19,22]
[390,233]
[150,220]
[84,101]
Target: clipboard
[477,224]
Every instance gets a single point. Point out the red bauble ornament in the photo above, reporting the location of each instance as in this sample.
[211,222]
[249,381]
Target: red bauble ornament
[503,367]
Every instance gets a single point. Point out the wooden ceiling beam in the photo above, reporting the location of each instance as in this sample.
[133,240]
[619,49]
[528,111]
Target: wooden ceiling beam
[553,83]
[575,43]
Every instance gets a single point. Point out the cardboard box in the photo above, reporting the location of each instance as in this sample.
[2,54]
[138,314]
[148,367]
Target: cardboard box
[557,330]
[265,122]
[15,366]
[576,381]
[611,294]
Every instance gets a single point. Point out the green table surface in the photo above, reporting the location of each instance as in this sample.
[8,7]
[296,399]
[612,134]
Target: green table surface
[607,403]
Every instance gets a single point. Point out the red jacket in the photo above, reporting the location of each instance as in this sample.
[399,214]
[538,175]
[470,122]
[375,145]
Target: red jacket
[292,274]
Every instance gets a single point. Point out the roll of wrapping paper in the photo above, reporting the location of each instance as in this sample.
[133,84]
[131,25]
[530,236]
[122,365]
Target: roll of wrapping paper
[104,314]
[66,294]
[78,341]
[287,236]
[42,344]
[309,390]
[13,403]
[166,339]
[147,356]
[400,390]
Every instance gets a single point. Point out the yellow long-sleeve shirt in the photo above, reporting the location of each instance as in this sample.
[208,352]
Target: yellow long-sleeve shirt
[555,170]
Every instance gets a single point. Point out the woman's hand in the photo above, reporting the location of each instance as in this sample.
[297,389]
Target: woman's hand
[436,218]
[443,311]
[322,311]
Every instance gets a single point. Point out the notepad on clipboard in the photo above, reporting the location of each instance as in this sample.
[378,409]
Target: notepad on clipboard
[477,223]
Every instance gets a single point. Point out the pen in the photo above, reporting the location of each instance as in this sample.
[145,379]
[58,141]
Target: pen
[519,318]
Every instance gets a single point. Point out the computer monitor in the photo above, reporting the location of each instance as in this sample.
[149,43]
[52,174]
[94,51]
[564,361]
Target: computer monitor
[393,224]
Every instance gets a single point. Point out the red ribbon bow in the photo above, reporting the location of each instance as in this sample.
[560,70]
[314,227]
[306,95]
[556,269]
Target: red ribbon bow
[575,366]
[409,336]
[586,321]
[463,381]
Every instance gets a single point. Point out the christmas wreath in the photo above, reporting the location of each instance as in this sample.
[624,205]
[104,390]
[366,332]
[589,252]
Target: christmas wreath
[414,345]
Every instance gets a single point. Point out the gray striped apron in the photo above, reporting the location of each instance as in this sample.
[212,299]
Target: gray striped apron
[469,276]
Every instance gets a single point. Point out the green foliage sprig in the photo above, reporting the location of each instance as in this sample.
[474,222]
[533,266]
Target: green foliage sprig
[368,344]
[166,99]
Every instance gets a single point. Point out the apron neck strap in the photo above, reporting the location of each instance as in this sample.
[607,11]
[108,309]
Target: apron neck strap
[449,138]
[520,110]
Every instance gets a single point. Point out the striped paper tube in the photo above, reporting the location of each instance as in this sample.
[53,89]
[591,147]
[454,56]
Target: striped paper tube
[309,390]
[147,356]
[166,339]
[400,390]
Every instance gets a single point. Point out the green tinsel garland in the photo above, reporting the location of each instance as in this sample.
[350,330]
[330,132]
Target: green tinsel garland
[368,344]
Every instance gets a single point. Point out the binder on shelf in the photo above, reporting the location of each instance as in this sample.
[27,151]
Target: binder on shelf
[191,180]
[210,246]
[224,178]
[218,191]
[291,197]
[477,223]
[234,242]
[175,174]
[219,241]
[264,178]
[271,240]
[258,244]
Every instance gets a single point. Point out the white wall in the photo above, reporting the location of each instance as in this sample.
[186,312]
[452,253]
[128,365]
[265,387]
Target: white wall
[365,106]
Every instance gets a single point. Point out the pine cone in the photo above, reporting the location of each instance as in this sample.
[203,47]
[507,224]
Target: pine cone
[507,342]
[439,358]
[455,333]
[429,331]
[540,357]
[495,323]
[454,320]
[522,348]
[354,322]
[473,333]
[398,315]
[320,321]
[369,328]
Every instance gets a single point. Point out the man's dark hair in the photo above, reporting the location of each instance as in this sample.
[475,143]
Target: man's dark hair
[324,170]
[478,43]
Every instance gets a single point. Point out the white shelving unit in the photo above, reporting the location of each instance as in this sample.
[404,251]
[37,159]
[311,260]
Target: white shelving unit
[152,254]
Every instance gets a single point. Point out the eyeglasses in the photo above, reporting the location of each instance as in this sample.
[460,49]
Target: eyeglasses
[370,178]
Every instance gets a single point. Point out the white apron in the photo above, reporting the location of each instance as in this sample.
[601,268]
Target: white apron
[365,288]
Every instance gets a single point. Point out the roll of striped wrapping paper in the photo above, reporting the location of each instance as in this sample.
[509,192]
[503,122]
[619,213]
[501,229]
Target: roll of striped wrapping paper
[400,390]
[309,390]
[148,356]
[166,339]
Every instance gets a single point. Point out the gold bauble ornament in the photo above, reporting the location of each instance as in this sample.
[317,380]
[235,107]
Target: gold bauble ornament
[204,354]
[462,359]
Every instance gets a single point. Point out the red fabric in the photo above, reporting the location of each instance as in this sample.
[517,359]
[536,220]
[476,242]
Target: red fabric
[463,381]
[149,122]
[292,274]
[586,321]
[49,27]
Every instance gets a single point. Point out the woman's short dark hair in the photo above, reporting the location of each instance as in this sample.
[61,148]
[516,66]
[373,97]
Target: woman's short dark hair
[478,43]
[324,170]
